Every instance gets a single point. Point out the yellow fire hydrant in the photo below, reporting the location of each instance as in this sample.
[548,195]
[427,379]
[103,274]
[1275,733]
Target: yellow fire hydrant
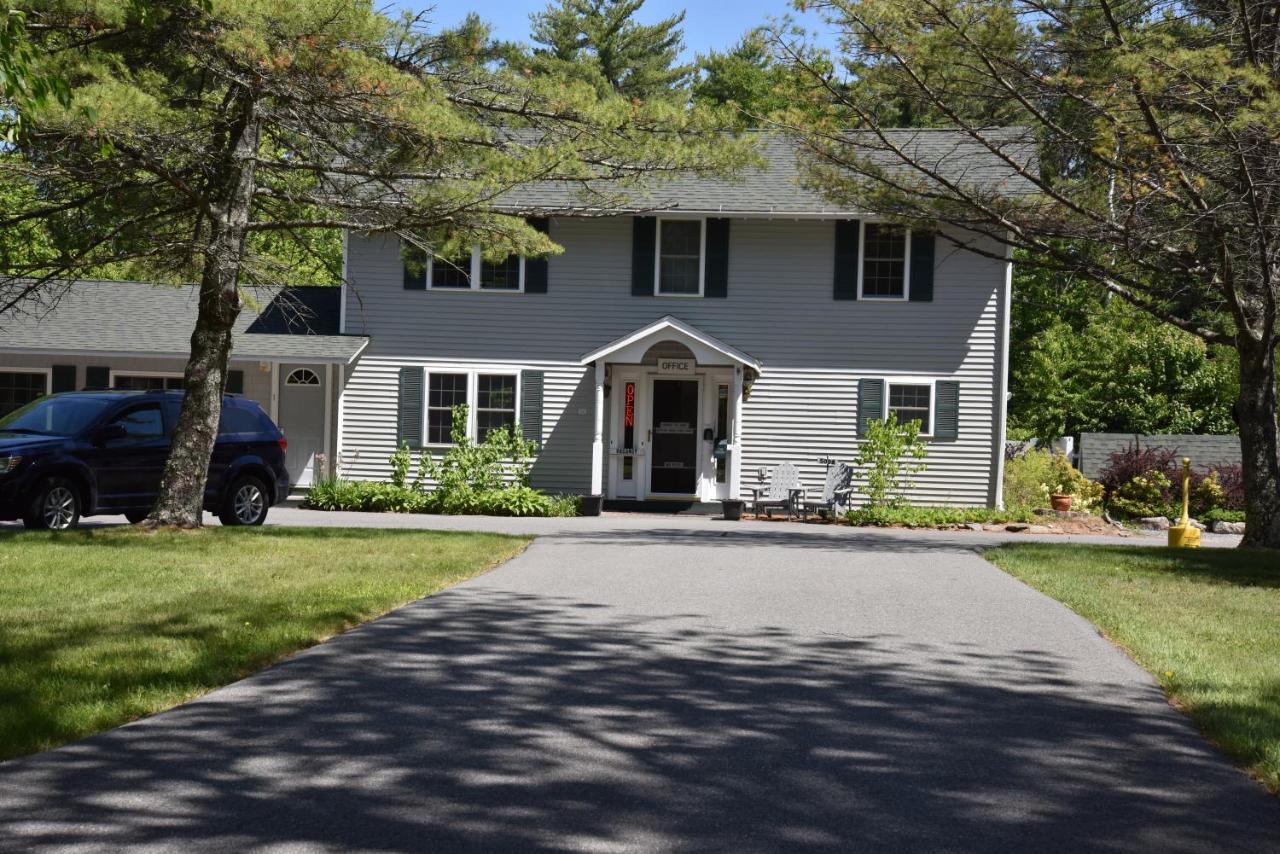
[1183,535]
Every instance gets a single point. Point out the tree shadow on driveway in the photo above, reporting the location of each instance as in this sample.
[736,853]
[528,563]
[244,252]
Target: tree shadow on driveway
[485,720]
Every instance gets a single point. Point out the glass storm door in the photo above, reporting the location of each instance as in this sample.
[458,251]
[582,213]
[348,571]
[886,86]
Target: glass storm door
[673,450]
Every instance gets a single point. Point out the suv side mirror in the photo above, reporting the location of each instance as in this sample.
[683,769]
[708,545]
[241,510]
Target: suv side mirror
[111,432]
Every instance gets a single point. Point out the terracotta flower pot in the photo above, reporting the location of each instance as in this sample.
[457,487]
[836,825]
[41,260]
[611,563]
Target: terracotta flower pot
[1061,503]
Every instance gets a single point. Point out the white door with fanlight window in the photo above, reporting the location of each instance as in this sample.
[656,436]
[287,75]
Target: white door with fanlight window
[302,418]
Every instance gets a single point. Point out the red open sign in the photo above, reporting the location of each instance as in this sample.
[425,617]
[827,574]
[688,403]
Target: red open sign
[629,412]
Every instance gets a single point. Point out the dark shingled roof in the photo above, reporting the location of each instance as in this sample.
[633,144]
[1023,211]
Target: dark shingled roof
[777,187]
[91,316]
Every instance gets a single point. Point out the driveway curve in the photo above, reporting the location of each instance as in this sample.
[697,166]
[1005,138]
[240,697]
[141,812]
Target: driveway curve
[674,687]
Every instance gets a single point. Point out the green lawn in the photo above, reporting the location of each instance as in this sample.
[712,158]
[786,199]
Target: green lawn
[100,627]
[1205,622]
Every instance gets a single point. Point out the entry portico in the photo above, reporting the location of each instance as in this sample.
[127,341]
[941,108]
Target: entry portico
[669,397]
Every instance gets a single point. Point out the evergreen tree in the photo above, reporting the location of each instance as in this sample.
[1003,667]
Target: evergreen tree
[746,76]
[602,38]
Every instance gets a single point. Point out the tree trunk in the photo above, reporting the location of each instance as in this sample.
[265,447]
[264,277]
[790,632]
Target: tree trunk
[1259,445]
[182,485]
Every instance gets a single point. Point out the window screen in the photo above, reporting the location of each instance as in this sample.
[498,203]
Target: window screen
[884,261]
[910,403]
[680,256]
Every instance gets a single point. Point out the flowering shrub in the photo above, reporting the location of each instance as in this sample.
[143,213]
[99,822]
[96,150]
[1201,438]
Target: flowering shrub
[1217,488]
[1030,478]
[1144,495]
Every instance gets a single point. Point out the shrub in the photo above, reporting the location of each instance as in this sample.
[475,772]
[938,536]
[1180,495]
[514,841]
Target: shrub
[1136,461]
[890,455]
[1220,486]
[929,517]
[1144,495]
[1030,478]
[1221,515]
[490,477]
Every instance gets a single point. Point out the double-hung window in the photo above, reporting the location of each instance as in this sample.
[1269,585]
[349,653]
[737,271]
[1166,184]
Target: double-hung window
[909,402]
[680,269]
[444,391]
[495,403]
[884,272]
[468,272]
[490,398]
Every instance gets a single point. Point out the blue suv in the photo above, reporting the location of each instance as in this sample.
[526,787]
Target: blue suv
[87,453]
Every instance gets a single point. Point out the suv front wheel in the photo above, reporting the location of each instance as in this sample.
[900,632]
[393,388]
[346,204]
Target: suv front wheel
[54,507]
[245,503]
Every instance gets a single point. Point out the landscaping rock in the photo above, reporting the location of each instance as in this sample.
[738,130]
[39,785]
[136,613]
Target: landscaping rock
[1198,525]
[1040,529]
[1228,527]
[1017,528]
[1154,523]
[974,526]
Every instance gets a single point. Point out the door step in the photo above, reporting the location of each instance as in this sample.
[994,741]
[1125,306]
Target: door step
[673,508]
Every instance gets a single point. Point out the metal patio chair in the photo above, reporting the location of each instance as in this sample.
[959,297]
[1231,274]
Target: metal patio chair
[835,491]
[782,492]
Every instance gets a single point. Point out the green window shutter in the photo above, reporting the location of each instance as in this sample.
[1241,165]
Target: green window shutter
[531,406]
[846,279]
[414,263]
[64,378]
[717,265]
[870,404]
[235,382]
[409,414]
[97,377]
[644,241]
[946,410]
[535,269]
[922,260]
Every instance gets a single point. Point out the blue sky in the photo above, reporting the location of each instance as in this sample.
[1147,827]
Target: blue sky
[708,23]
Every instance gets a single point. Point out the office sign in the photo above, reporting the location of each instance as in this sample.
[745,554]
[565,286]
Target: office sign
[677,367]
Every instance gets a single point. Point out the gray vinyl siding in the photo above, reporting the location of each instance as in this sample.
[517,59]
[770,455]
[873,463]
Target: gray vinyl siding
[779,309]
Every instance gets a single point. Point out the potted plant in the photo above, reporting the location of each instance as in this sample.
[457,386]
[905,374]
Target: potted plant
[592,505]
[1061,502]
[733,508]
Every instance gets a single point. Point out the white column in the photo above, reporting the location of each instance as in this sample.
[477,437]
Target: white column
[735,433]
[597,436]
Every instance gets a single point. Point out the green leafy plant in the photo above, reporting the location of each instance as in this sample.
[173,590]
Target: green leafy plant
[1220,514]
[931,517]
[400,462]
[1031,477]
[1144,495]
[890,455]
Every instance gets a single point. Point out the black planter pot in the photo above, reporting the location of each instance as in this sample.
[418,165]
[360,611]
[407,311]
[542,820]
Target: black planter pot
[733,508]
[592,505]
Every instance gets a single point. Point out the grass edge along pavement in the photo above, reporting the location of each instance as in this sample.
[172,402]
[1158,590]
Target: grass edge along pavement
[99,627]
[1204,622]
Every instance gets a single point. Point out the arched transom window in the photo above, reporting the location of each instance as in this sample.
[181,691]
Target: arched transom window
[302,376]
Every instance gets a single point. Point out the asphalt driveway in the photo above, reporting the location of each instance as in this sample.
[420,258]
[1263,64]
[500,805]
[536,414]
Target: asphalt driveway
[672,687]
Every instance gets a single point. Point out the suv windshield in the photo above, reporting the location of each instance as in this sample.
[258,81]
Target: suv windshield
[55,416]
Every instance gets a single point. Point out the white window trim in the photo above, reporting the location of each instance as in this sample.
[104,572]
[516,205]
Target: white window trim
[473,275]
[931,382]
[317,385]
[48,375]
[906,262]
[169,375]
[702,258]
[472,396]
